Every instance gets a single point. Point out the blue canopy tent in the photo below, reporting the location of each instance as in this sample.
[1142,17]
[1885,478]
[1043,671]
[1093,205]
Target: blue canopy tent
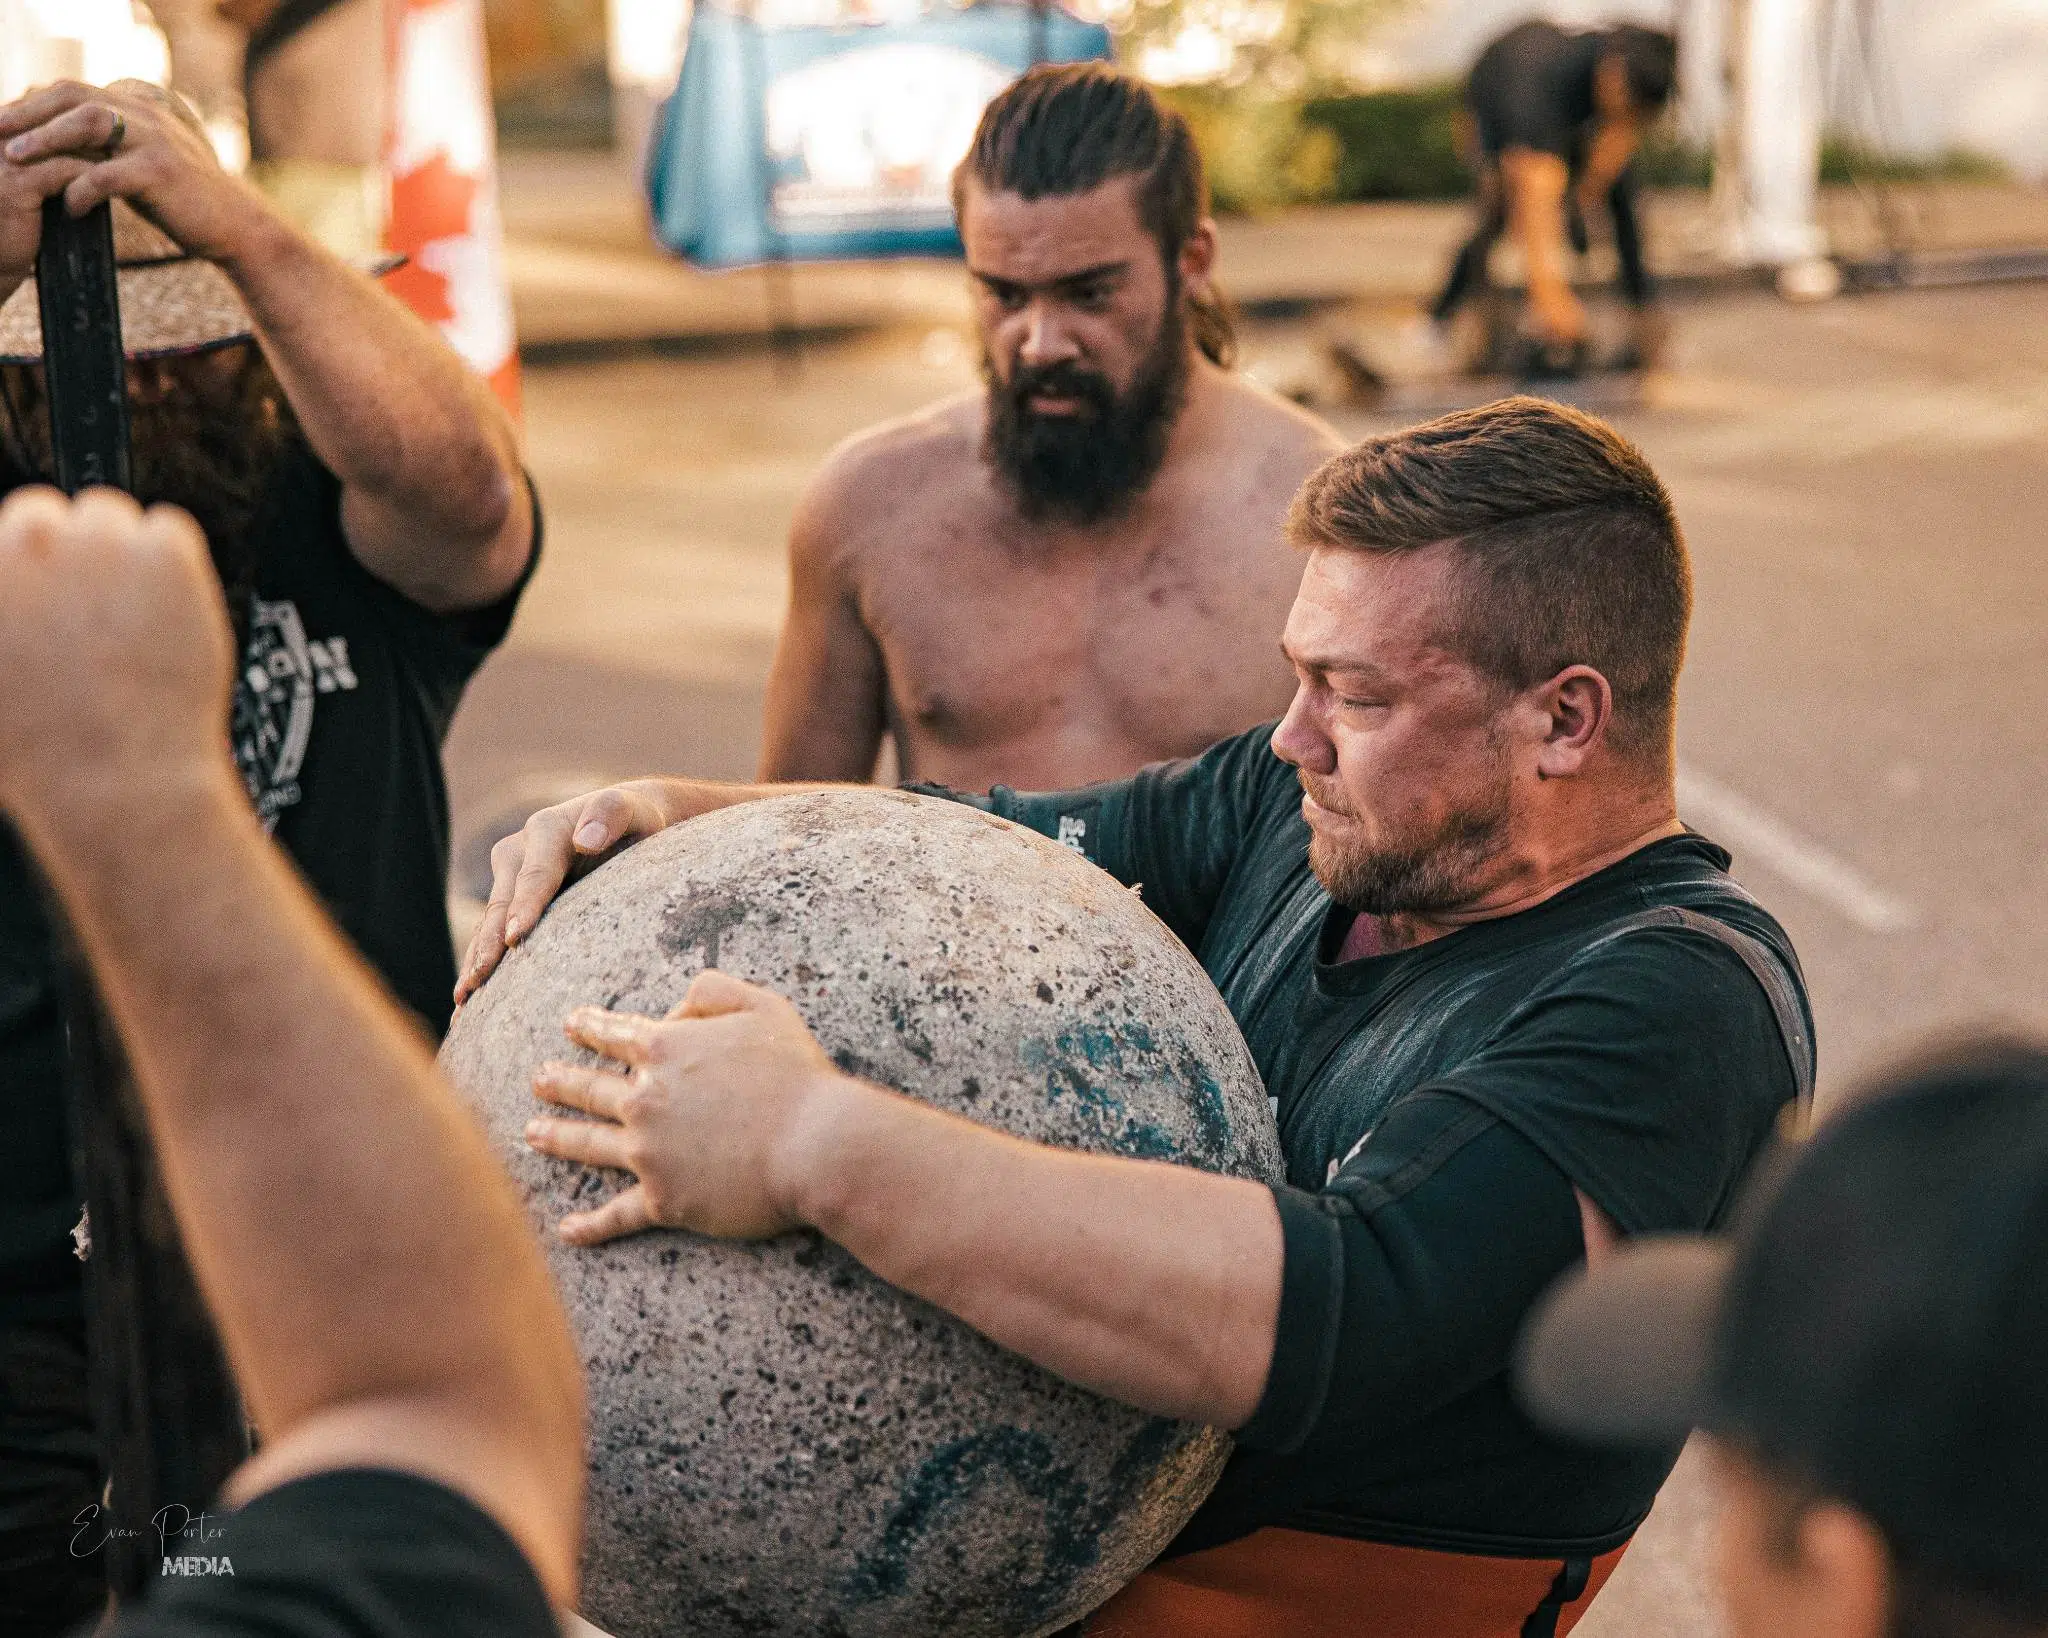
[830,141]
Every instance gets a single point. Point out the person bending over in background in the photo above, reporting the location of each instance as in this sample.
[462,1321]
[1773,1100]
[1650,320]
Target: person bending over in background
[1555,120]
[1072,572]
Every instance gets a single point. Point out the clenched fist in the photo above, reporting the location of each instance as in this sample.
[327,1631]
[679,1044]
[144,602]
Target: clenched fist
[115,649]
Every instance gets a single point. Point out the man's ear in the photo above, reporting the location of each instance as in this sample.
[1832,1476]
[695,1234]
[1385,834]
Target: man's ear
[1198,258]
[1579,706]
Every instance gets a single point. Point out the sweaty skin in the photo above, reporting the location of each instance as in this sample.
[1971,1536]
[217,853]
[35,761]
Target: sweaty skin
[1042,655]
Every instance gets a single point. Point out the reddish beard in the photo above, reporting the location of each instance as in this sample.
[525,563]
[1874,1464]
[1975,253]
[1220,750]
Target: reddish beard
[1426,870]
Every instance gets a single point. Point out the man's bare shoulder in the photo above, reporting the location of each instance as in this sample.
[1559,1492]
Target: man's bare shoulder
[1257,448]
[924,460]
[1282,428]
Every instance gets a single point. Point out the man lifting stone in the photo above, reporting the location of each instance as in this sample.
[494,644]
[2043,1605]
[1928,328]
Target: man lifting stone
[1507,1005]
[1070,574]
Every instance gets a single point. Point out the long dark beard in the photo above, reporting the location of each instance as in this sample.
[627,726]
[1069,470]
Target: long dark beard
[215,457]
[1424,875]
[1084,468]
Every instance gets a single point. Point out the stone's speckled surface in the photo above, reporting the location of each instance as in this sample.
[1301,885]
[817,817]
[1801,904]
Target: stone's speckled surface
[781,1443]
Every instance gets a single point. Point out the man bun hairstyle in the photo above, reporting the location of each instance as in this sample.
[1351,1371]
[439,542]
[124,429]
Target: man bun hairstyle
[1649,61]
[1570,549]
[1066,128]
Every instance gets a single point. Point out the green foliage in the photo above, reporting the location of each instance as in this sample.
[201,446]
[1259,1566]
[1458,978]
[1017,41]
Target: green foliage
[1393,144]
[1265,150]
[1843,160]
[1255,148]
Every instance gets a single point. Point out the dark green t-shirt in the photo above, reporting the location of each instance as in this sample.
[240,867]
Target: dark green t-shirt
[1437,1106]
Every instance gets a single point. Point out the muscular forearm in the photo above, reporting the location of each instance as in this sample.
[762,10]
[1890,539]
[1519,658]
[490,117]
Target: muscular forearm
[377,1254]
[1152,1284]
[427,457]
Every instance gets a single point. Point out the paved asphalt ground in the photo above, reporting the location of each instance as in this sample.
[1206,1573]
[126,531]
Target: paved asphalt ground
[1863,484]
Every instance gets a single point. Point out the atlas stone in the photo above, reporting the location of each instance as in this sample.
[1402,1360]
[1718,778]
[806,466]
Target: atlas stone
[780,1442]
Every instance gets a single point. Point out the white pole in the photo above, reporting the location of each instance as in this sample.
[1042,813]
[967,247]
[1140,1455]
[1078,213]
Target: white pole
[1777,107]
[645,55]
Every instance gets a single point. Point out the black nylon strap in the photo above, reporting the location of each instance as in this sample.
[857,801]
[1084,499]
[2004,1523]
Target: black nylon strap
[1764,966]
[84,371]
[1572,1576]
[165,1409]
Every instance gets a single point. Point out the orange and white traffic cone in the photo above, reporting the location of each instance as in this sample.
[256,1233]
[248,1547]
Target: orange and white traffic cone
[442,161]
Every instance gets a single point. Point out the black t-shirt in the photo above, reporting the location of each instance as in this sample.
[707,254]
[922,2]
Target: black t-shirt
[1436,1107]
[1533,88]
[359,1553]
[346,692]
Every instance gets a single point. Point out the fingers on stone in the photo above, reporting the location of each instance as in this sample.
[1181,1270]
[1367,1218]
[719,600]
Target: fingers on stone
[587,1142]
[594,1091]
[628,1213]
[625,1036]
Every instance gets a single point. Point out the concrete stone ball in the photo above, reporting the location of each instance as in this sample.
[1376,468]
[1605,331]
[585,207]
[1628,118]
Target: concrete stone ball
[782,1443]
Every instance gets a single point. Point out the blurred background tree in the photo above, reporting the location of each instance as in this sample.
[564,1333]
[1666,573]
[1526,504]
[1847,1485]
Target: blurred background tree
[1247,73]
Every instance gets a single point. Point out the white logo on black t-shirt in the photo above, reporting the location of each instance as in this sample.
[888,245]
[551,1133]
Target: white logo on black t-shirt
[283,673]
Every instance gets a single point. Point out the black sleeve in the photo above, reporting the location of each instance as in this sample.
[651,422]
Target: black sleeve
[350,1554]
[1175,828]
[1406,1280]
[1651,1073]
[441,651]
[444,650]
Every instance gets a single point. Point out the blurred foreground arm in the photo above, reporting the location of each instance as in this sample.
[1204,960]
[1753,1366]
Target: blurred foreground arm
[374,1280]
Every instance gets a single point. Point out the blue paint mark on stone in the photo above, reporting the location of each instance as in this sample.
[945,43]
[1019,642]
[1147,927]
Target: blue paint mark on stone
[1072,1520]
[1115,1048]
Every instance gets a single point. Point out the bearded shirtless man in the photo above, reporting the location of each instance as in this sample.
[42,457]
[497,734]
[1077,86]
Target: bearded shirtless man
[1080,570]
